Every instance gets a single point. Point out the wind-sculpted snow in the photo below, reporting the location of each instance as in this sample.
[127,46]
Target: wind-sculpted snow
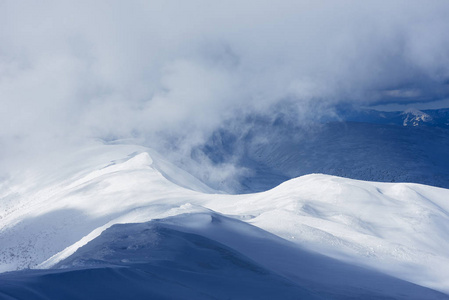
[203,256]
[313,236]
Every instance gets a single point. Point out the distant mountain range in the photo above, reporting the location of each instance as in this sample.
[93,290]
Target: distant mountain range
[408,146]
[409,117]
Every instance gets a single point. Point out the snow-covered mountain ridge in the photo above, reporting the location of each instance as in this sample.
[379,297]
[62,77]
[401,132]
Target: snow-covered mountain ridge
[408,117]
[397,229]
[414,117]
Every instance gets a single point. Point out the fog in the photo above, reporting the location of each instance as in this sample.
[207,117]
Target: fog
[168,73]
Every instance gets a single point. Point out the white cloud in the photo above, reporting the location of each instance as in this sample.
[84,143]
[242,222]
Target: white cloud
[178,69]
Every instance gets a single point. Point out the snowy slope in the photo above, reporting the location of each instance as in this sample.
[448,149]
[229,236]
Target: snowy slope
[409,117]
[361,228]
[152,261]
[180,257]
[415,117]
[117,180]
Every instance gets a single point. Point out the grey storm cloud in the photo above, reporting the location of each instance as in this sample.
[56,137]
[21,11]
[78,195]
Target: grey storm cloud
[71,71]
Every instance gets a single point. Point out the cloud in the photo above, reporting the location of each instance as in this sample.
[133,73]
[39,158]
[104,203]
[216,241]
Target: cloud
[176,70]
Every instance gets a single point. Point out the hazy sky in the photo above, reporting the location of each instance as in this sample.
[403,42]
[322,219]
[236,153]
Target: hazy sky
[175,70]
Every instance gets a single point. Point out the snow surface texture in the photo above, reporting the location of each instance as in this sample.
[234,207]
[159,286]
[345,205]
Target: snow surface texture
[316,236]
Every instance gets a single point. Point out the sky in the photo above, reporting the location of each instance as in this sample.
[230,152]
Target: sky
[169,73]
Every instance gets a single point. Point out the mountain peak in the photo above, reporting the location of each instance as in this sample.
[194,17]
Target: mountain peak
[415,117]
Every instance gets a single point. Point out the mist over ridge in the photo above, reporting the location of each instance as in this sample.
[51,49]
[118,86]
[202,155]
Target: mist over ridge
[168,74]
[197,149]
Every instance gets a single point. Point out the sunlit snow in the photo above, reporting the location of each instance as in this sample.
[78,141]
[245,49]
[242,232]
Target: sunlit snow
[320,235]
